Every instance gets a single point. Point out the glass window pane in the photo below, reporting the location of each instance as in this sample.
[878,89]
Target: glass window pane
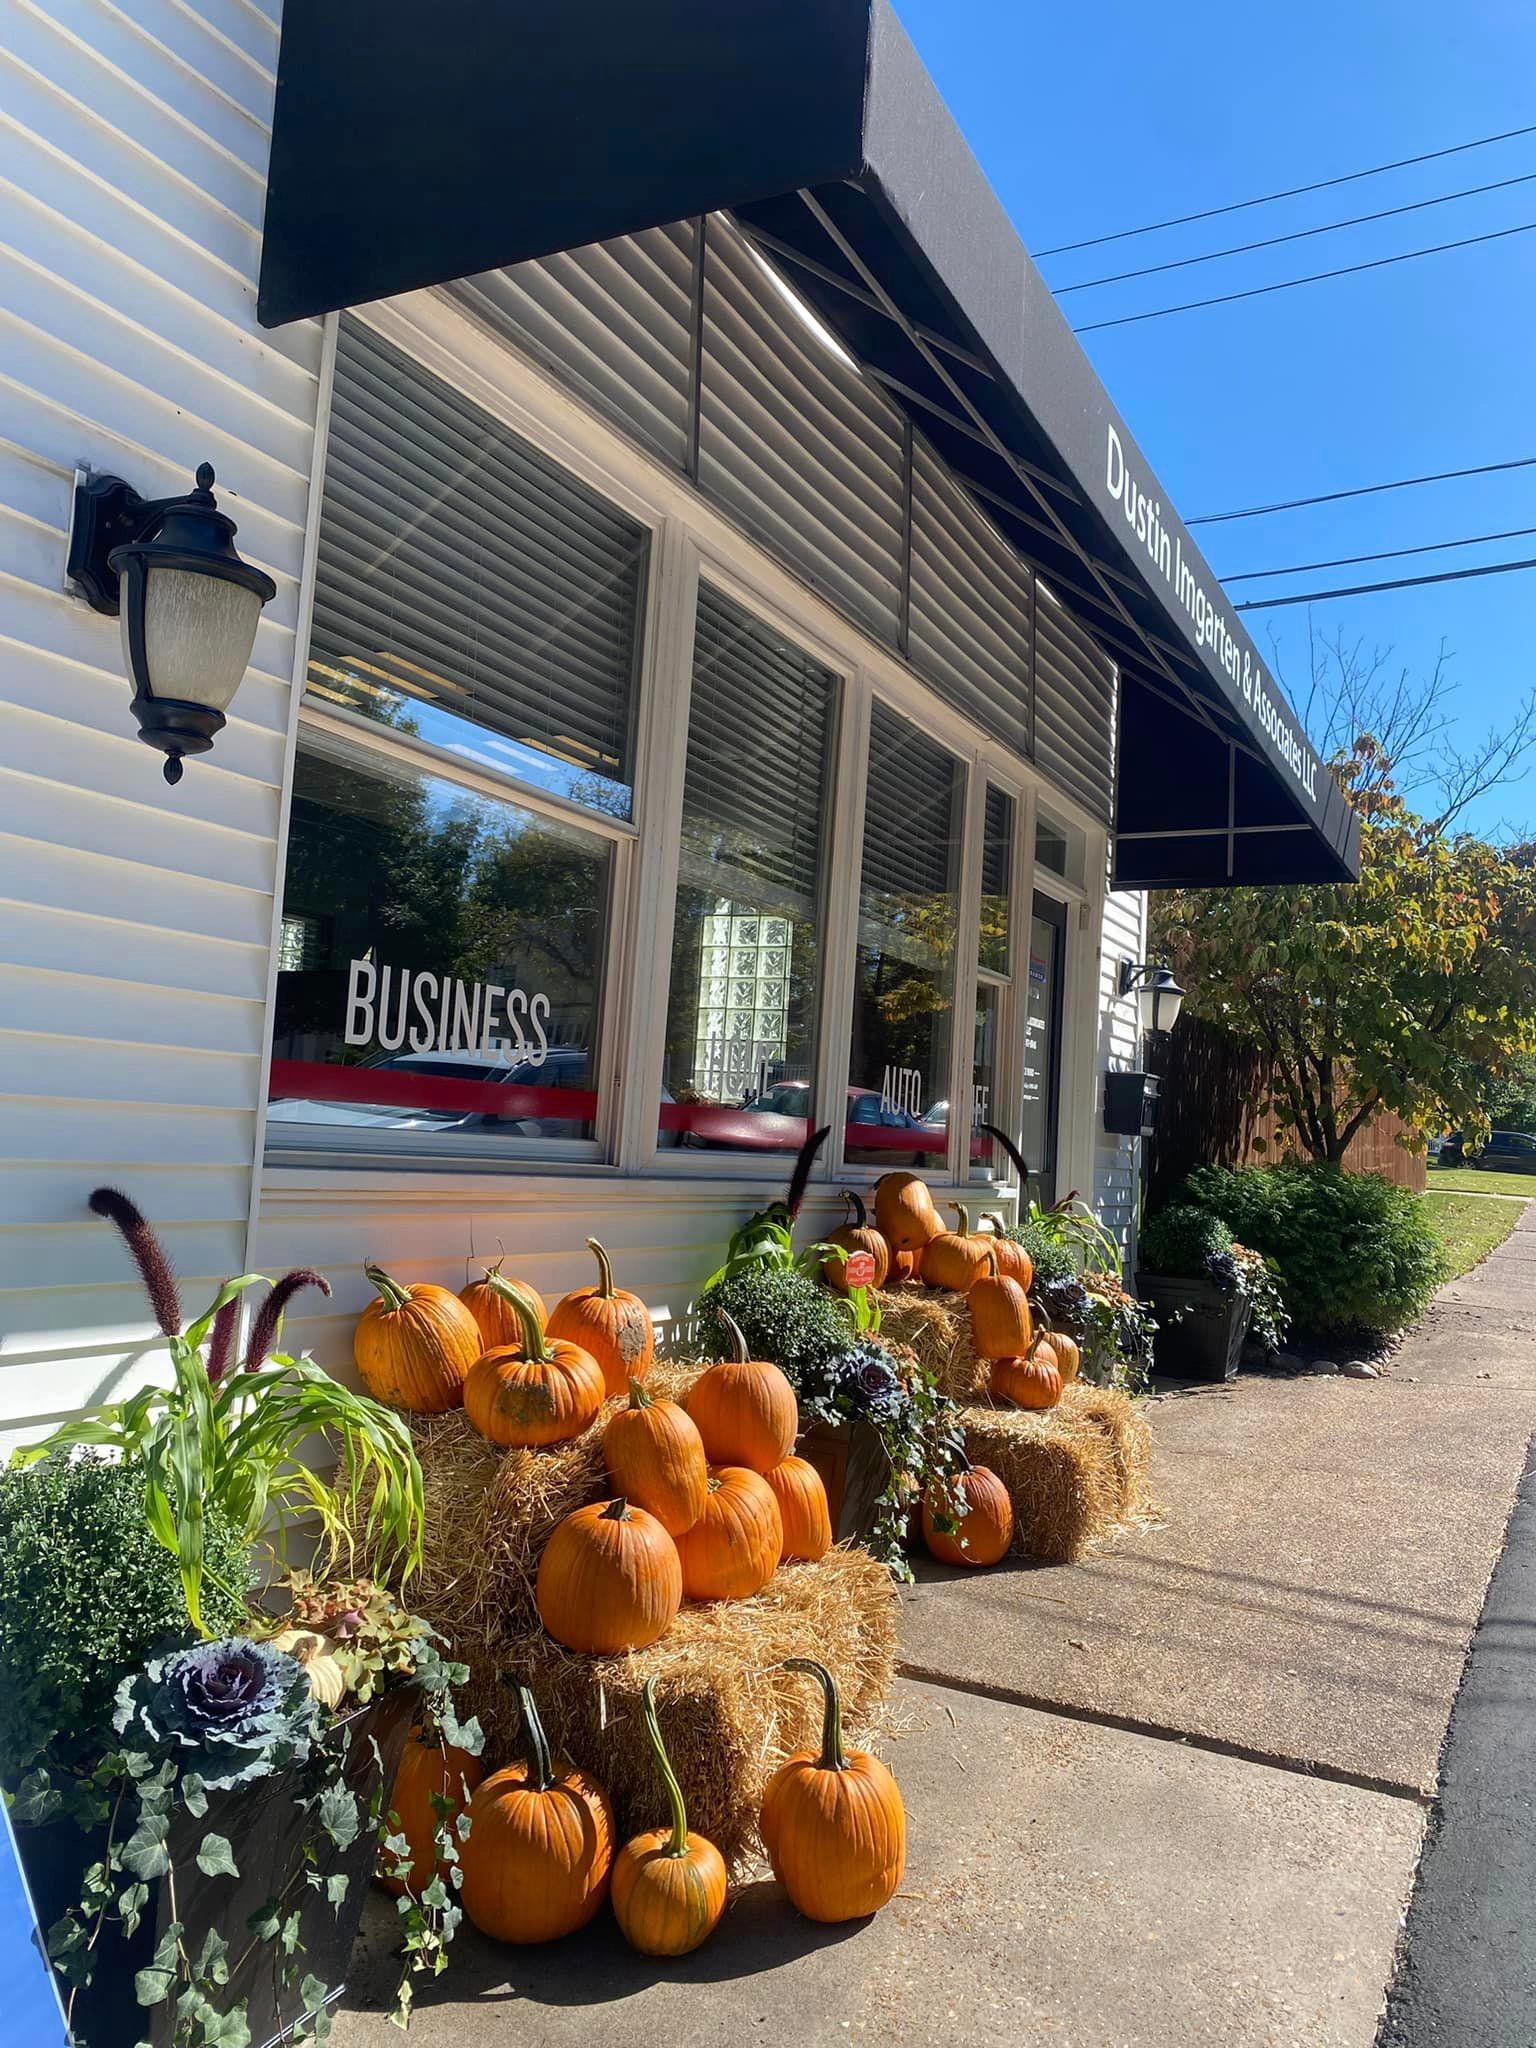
[450,980]
[988,1162]
[741,1018]
[996,882]
[1042,1038]
[903,999]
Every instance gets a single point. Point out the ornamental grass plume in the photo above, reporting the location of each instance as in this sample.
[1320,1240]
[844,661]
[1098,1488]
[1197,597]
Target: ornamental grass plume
[149,1256]
[269,1316]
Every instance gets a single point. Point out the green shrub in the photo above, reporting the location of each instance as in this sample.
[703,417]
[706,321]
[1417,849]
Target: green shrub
[785,1318]
[1356,1253]
[1182,1240]
[1049,1255]
[86,1594]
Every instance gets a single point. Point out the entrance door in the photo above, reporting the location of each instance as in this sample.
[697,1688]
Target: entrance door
[1045,985]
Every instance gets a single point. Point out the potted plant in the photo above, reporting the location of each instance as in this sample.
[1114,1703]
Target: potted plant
[1206,1291]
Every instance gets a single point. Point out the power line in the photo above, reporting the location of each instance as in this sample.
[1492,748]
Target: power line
[1266,604]
[1293,192]
[1432,547]
[1260,291]
[1300,235]
[1404,483]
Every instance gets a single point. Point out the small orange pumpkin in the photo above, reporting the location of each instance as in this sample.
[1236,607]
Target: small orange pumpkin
[733,1549]
[856,1235]
[985,1528]
[956,1259]
[1013,1262]
[904,1211]
[1001,1324]
[428,1771]
[655,1457]
[540,1848]
[491,1301]
[1032,1382]
[414,1345]
[609,1580]
[668,1884]
[834,1825]
[803,1509]
[905,1268]
[611,1323]
[745,1409]
[540,1390]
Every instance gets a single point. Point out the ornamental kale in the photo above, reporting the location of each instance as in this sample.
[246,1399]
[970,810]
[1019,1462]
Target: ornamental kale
[227,1712]
[863,1383]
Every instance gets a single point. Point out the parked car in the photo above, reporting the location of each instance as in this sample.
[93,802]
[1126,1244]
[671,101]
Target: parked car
[1505,1152]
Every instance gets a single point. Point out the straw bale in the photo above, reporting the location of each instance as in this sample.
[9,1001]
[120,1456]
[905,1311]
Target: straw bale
[936,1326]
[1124,1422]
[1075,1473]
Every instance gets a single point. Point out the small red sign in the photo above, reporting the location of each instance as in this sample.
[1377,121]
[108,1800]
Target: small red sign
[859,1270]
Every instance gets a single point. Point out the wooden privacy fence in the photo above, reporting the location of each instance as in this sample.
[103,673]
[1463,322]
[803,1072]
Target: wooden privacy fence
[1212,1088]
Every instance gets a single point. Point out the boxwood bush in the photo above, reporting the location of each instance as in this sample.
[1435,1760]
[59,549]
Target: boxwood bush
[1181,1240]
[1356,1253]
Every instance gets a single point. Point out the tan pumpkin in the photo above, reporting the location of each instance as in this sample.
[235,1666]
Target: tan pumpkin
[803,1509]
[745,1409]
[956,1259]
[540,1850]
[540,1390]
[1069,1358]
[858,1234]
[833,1824]
[1013,1262]
[668,1884]
[733,1549]
[414,1345]
[428,1771]
[1032,1382]
[492,1300]
[985,1527]
[1001,1323]
[904,1212]
[655,1458]
[614,1325]
[609,1580]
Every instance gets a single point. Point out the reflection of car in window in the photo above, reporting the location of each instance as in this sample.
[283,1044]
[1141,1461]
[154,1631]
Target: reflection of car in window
[564,1067]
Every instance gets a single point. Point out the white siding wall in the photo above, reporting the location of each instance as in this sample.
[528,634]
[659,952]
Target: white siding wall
[1116,1160]
[135,920]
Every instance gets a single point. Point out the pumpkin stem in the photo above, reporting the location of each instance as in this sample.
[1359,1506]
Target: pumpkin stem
[678,1845]
[391,1292]
[531,1339]
[604,1269]
[991,1264]
[541,1772]
[833,1757]
[858,1214]
[964,1215]
[638,1397]
[617,1509]
[738,1341]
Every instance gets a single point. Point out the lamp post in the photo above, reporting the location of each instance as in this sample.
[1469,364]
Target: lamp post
[189,605]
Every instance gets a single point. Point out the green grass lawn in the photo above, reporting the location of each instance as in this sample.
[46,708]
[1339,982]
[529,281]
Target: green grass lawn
[1470,1225]
[1476,1180]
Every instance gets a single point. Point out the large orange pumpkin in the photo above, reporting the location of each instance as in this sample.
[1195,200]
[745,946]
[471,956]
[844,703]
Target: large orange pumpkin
[906,1268]
[985,1528]
[668,1883]
[733,1549]
[1032,1382]
[803,1509]
[833,1824]
[609,1580]
[614,1325]
[540,1390]
[858,1234]
[1013,1262]
[414,1345]
[904,1211]
[540,1848]
[745,1409]
[655,1457]
[428,1771]
[956,1259]
[1001,1324]
[492,1301]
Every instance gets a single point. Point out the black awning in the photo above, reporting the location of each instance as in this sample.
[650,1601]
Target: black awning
[413,145]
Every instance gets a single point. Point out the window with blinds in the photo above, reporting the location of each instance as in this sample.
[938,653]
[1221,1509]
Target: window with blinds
[996,882]
[742,1004]
[468,591]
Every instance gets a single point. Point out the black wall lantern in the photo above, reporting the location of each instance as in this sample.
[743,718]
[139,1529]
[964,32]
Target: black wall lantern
[1158,996]
[189,606]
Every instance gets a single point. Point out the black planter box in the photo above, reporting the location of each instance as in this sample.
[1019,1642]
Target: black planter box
[850,1457]
[1200,1329]
[266,1832]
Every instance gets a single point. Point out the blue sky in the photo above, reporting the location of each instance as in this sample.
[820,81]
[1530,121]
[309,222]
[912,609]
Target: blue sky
[1103,116]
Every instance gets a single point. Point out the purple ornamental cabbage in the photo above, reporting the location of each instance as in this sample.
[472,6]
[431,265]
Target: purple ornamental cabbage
[869,1383]
[230,1711]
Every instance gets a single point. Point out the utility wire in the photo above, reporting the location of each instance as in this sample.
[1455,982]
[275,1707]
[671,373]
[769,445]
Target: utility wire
[1260,291]
[1293,192]
[1266,604]
[1440,476]
[1432,547]
[1331,227]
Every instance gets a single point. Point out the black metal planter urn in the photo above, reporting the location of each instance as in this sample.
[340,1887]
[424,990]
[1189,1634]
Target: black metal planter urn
[1200,1326]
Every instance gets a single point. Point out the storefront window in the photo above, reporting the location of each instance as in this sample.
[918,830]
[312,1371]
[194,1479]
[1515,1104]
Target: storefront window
[903,1001]
[741,1013]
[441,966]
[1042,1041]
[994,993]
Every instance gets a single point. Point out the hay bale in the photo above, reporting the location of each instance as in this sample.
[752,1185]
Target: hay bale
[1075,1473]
[936,1327]
[1124,1423]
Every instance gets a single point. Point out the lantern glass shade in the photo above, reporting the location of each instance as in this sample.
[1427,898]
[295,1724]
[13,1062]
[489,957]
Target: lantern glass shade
[1160,1000]
[199,630]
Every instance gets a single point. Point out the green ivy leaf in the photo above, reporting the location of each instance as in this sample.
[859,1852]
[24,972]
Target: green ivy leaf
[145,1852]
[215,1858]
[131,1905]
[336,1887]
[336,1811]
[37,1800]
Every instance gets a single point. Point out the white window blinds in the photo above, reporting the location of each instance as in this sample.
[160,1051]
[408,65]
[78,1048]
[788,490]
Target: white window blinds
[912,808]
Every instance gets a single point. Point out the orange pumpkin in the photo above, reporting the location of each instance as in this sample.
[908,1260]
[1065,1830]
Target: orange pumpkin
[1032,1382]
[428,1771]
[745,1409]
[609,1580]
[856,1235]
[540,1848]
[905,1268]
[668,1884]
[614,1325]
[833,1824]
[655,1457]
[1001,1324]
[414,1345]
[1013,1262]
[956,1259]
[904,1211]
[803,1510]
[492,1300]
[540,1390]
[733,1549]
[985,1527]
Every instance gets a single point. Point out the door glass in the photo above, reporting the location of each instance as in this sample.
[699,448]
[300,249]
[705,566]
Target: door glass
[1042,1043]
[986,1161]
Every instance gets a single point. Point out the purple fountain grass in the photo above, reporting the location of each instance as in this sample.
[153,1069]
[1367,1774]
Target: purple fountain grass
[270,1314]
[149,1255]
